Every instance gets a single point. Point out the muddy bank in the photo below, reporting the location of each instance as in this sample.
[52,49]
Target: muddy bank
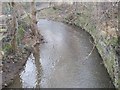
[12,66]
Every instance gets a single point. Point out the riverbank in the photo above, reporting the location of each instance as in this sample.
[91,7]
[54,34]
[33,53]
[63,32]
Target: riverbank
[12,66]
[104,35]
[13,62]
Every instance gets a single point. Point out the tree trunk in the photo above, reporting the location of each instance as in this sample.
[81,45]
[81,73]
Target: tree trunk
[33,19]
[14,28]
[34,27]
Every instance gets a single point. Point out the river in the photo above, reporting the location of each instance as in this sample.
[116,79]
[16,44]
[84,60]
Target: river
[61,61]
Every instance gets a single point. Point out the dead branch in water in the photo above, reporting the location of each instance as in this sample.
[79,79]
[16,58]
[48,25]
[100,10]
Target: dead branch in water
[94,45]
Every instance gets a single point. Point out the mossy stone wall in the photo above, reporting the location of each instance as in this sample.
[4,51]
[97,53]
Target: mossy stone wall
[100,19]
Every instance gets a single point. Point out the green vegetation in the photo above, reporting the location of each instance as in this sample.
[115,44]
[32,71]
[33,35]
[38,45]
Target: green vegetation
[20,34]
[7,48]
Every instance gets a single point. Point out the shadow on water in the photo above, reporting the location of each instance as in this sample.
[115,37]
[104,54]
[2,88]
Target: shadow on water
[36,55]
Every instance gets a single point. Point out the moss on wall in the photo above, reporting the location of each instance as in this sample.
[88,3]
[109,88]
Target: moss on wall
[105,41]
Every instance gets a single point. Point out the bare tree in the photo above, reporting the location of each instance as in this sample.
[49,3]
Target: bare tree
[14,23]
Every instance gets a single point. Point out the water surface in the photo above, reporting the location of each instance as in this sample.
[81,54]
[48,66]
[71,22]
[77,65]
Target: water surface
[61,61]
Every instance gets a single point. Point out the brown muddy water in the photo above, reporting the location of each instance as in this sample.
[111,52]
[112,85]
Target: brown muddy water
[61,61]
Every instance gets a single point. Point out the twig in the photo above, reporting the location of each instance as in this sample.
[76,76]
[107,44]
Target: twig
[94,45]
[90,52]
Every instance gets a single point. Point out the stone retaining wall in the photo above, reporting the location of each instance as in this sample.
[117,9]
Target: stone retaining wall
[101,21]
